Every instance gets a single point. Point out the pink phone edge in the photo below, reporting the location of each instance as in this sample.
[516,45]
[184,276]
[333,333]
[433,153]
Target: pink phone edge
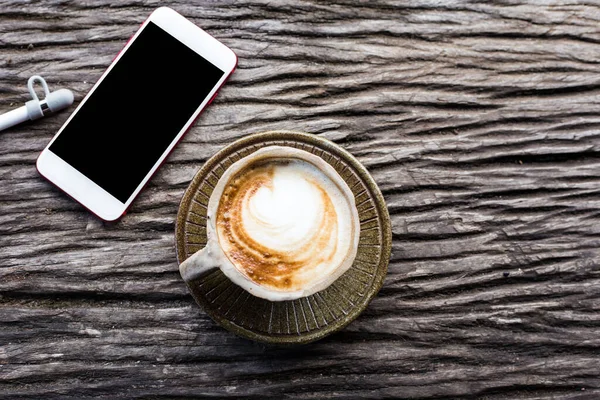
[170,151]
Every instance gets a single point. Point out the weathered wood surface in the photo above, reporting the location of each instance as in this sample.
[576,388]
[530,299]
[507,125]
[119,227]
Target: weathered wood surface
[480,122]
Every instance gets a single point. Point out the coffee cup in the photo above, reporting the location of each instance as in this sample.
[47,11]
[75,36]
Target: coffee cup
[281,223]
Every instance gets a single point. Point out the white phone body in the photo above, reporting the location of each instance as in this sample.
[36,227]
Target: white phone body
[96,199]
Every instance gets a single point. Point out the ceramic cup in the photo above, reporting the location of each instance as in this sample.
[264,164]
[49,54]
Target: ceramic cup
[213,256]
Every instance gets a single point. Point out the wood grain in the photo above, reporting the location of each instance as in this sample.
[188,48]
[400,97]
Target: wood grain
[479,121]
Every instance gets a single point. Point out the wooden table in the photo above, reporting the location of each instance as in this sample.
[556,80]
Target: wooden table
[479,121]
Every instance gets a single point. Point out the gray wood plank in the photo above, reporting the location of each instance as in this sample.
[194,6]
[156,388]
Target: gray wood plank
[480,122]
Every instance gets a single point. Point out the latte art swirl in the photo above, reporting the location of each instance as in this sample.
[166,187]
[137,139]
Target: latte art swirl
[284,224]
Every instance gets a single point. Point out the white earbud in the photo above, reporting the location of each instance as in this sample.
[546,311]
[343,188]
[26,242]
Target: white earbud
[36,108]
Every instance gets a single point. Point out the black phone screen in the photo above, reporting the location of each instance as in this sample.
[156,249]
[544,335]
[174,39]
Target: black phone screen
[136,112]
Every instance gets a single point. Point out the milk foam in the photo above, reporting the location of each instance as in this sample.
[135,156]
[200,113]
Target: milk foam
[288,225]
[283,216]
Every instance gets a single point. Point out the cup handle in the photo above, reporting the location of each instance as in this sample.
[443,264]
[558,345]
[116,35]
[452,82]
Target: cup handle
[199,264]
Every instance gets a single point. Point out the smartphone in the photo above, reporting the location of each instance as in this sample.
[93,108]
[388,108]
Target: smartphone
[136,113]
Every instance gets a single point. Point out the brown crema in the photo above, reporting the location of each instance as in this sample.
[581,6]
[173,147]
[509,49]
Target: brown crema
[266,266]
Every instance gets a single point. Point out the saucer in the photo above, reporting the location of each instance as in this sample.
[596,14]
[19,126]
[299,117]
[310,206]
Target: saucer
[309,318]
